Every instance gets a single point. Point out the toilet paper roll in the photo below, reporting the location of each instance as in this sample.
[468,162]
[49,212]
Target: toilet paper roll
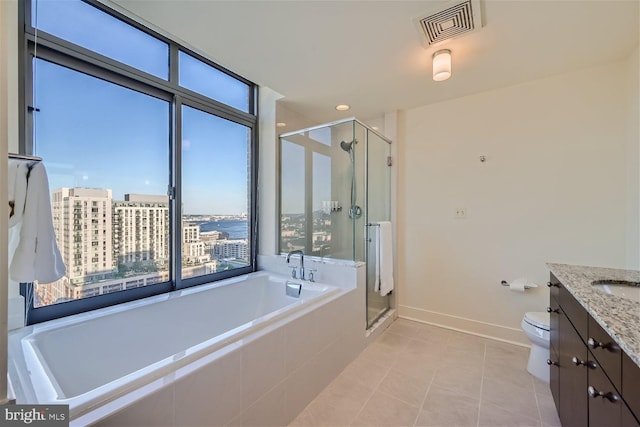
[517,286]
[520,284]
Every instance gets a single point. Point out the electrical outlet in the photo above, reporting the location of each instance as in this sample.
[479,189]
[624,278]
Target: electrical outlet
[460,213]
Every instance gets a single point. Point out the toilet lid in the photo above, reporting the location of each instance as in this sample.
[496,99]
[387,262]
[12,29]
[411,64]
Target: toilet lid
[537,319]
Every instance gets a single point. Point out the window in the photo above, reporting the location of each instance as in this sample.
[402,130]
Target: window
[215,196]
[209,81]
[140,206]
[91,28]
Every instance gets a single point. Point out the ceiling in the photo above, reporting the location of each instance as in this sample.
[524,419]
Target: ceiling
[368,54]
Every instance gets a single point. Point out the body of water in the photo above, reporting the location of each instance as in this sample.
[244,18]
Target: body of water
[237,228]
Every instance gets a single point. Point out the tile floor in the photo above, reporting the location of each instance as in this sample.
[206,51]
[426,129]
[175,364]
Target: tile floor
[421,375]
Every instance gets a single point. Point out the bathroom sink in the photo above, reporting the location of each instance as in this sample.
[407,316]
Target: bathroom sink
[622,288]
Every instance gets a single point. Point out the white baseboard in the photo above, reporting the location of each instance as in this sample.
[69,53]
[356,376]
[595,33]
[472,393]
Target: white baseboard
[462,324]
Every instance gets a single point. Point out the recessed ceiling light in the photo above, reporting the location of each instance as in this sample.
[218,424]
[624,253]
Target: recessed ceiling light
[281,124]
[343,107]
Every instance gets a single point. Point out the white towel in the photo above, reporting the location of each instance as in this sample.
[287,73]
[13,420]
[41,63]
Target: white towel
[384,258]
[37,256]
[17,189]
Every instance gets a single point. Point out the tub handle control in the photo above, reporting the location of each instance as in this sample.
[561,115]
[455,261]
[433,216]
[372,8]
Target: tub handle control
[293,271]
[311,271]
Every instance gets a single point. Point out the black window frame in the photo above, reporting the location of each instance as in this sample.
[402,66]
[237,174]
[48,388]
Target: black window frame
[61,52]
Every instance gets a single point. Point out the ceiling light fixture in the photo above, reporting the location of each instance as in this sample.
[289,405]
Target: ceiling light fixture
[343,107]
[442,65]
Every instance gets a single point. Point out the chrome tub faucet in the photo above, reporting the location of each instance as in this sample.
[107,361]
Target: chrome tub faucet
[293,271]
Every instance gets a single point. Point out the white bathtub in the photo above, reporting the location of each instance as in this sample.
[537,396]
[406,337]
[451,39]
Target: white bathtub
[90,359]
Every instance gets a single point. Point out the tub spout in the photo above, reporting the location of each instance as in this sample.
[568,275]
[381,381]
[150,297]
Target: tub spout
[297,252]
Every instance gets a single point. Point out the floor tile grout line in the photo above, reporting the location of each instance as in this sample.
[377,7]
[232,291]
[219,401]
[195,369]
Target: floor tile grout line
[535,396]
[371,393]
[484,362]
[424,398]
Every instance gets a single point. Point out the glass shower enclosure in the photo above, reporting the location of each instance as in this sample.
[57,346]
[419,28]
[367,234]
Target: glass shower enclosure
[335,186]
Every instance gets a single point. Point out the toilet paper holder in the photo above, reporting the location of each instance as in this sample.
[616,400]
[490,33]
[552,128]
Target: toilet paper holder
[527,283]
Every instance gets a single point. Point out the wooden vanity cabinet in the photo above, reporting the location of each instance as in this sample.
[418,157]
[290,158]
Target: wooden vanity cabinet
[553,362]
[572,376]
[593,382]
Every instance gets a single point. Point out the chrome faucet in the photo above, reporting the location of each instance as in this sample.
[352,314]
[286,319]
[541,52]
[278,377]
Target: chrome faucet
[299,252]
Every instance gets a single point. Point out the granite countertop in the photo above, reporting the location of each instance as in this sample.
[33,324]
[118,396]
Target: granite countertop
[620,317]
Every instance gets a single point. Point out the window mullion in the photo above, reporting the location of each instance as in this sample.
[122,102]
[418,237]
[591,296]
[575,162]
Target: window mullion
[173,64]
[176,203]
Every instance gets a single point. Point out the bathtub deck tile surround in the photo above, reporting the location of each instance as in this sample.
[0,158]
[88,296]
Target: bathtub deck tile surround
[404,379]
[230,386]
[198,403]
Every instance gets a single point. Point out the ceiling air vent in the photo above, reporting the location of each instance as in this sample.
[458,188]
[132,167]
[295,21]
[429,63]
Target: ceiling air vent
[452,20]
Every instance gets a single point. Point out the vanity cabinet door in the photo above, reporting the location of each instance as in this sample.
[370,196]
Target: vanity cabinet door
[631,384]
[554,314]
[553,362]
[605,403]
[577,315]
[573,409]
[628,420]
[554,377]
[606,352]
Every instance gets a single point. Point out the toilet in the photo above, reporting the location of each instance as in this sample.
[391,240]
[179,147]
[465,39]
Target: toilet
[536,326]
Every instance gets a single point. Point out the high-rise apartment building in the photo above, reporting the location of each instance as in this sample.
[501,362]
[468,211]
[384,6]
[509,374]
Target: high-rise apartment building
[238,249]
[141,230]
[82,220]
[193,249]
[110,245]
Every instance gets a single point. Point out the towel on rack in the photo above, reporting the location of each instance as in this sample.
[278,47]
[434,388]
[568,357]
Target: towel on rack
[17,189]
[37,256]
[384,258]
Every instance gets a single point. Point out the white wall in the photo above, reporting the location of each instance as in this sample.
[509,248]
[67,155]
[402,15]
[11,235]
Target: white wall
[292,119]
[553,189]
[633,163]
[267,176]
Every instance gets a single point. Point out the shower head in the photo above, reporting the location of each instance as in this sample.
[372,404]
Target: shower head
[347,146]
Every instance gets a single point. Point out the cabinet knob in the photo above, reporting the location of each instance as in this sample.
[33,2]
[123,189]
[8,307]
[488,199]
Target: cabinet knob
[551,363]
[613,347]
[551,310]
[550,285]
[577,361]
[611,397]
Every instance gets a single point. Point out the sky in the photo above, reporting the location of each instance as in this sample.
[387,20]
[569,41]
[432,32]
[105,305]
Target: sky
[93,133]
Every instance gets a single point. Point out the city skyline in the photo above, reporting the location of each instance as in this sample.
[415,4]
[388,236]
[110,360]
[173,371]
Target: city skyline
[208,214]
[110,245]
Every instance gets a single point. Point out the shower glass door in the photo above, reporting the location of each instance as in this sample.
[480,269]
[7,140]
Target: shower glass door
[378,208]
